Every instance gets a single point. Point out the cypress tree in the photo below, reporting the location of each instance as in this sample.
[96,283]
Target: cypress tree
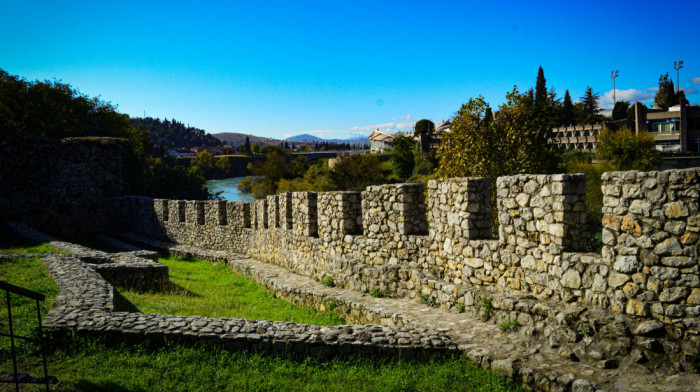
[568,117]
[488,116]
[247,144]
[540,90]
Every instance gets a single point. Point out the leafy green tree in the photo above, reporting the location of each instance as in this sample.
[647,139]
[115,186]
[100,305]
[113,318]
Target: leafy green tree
[620,110]
[223,166]
[568,117]
[175,182]
[204,159]
[211,166]
[402,161]
[666,95]
[356,172]
[423,130]
[514,142]
[267,173]
[628,150]
[255,148]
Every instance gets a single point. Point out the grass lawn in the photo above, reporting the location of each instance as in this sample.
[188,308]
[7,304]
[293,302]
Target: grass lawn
[203,288]
[93,365]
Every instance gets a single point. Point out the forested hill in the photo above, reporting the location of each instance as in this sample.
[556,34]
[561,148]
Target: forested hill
[174,134]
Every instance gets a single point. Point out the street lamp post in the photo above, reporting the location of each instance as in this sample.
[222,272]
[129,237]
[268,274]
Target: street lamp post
[677,65]
[614,74]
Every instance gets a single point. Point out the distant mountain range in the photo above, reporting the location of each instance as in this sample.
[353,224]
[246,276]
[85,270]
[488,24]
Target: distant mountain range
[314,139]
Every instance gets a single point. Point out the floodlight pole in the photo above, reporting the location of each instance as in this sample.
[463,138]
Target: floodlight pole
[677,65]
[614,74]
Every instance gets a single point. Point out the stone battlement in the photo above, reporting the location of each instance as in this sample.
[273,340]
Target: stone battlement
[437,245]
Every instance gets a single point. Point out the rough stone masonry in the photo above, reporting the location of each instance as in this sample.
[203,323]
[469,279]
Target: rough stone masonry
[437,245]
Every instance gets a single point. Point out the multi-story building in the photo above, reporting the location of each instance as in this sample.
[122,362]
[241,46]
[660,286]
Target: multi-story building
[675,130]
[576,137]
[380,141]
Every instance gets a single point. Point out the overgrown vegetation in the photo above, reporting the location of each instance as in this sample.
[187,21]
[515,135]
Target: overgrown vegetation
[486,308]
[328,281]
[376,292]
[428,300]
[508,325]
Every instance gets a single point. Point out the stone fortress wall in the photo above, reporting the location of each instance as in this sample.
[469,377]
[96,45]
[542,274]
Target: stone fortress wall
[437,245]
[60,185]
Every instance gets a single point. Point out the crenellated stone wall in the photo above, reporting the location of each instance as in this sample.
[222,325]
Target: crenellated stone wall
[438,248]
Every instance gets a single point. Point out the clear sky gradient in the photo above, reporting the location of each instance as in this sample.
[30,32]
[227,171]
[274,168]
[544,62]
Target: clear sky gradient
[334,69]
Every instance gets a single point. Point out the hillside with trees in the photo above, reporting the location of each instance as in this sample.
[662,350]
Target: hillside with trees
[56,110]
[174,134]
[237,139]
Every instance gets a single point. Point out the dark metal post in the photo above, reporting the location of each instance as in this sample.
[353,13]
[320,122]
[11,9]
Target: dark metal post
[12,343]
[677,65]
[41,342]
[614,75]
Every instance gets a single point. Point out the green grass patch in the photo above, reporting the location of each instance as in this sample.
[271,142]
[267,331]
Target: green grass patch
[98,365]
[32,274]
[203,288]
[95,366]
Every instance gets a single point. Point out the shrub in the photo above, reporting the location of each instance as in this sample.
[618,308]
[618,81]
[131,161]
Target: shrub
[328,281]
[508,325]
[628,150]
[377,293]
[486,308]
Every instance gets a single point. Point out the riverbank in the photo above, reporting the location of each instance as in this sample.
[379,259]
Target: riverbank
[229,189]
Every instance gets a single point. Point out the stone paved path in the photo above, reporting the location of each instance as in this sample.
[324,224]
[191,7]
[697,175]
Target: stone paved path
[526,355]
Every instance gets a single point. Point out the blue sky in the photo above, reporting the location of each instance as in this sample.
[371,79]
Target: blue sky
[339,68]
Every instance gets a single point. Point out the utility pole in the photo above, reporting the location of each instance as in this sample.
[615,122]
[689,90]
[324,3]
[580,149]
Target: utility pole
[677,65]
[614,74]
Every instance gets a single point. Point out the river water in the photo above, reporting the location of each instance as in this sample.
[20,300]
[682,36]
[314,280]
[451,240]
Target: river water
[229,187]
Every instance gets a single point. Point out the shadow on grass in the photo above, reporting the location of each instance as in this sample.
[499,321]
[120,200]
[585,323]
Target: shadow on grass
[84,385]
[96,245]
[10,240]
[188,258]
[122,304]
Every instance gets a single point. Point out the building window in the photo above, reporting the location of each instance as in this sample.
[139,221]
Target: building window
[663,126]
[668,145]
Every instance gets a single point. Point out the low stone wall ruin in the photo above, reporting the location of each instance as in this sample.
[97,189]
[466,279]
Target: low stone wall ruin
[86,305]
